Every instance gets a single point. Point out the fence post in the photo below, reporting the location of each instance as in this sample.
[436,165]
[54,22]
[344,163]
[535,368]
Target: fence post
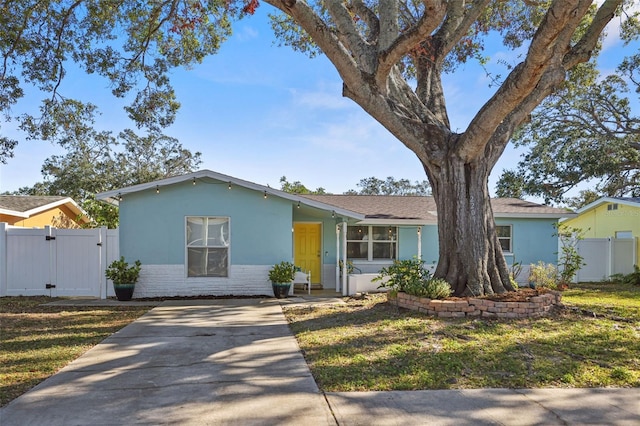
[49,235]
[3,259]
[610,260]
[104,248]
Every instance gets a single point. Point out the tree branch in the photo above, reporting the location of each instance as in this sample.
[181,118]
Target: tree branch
[323,36]
[369,18]
[457,25]
[350,36]
[546,52]
[391,54]
[582,51]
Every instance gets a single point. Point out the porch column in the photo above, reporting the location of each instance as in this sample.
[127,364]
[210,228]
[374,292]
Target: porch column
[419,242]
[337,258]
[344,259]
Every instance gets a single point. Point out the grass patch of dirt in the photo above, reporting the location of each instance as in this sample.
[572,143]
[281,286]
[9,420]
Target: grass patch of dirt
[37,340]
[369,344]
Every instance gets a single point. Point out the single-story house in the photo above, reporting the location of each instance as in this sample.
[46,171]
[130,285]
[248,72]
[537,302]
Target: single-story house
[610,217]
[39,211]
[206,233]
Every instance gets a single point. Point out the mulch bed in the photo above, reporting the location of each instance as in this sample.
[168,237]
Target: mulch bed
[520,295]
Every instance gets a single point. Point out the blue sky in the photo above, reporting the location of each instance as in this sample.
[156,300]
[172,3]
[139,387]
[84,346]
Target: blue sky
[258,112]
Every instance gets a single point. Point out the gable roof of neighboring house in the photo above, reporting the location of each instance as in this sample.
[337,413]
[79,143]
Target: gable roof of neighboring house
[26,206]
[629,201]
[385,209]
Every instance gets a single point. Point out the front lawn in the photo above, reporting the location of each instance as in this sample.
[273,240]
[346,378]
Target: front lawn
[36,341]
[372,345]
[609,299]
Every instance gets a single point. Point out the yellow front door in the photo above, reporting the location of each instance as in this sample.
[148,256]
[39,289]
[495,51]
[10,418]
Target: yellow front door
[308,246]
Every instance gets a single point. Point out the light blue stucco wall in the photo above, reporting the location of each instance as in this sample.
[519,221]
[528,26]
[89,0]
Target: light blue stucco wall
[407,241]
[152,226]
[533,240]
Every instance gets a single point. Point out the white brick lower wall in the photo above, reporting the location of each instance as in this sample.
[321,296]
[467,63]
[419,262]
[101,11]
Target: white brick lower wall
[171,280]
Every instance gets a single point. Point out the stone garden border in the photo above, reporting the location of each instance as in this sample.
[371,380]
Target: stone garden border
[533,307]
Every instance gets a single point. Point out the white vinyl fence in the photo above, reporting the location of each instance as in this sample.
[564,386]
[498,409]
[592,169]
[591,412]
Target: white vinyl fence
[605,257]
[56,262]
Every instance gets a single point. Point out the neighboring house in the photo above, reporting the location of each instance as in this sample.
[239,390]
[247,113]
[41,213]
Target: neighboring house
[610,217]
[40,211]
[205,233]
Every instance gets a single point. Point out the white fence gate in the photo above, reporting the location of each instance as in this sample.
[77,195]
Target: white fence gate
[55,262]
[605,257]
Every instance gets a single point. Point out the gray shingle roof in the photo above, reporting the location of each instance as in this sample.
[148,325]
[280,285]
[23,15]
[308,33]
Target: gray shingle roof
[24,203]
[424,208]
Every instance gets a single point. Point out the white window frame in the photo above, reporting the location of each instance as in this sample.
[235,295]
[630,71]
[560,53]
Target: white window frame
[509,238]
[624,234]
[226,246]
[370,242]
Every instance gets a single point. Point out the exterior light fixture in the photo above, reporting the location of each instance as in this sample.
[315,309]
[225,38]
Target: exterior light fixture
[265,195]
[157,189]
[333,213]
[194,181]
[229,185]
[298,204]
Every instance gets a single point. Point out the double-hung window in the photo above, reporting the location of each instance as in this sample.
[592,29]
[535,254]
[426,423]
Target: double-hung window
[372,242]
[207,246]
[505,237]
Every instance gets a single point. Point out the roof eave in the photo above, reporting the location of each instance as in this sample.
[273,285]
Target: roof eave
[13,213]
[113,196]
[534,215]
[604,200]
[72,205]
[398,222]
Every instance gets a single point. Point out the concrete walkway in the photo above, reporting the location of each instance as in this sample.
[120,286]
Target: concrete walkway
[235,362]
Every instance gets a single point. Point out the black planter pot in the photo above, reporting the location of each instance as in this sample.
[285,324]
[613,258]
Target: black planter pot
[124,292]
[281,290]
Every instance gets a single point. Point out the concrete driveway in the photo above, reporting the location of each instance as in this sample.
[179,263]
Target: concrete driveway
[235,362]
[195,362]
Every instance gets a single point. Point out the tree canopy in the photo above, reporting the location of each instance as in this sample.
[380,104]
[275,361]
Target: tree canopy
[390,55]
[390,186]
[586,131]
[98,161]
[297,187]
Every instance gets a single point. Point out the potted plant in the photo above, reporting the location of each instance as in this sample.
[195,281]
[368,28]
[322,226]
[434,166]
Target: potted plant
[281,276]
[124,277]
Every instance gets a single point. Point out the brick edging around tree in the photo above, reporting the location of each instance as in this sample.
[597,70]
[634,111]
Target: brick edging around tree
[533,307]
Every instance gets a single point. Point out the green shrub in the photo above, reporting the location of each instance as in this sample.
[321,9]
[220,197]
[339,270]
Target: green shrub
[403,274]
[570,260]
[544,275]
[437,288]
[410,277]
[632,278]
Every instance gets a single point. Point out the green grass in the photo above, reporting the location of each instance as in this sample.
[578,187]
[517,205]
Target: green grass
[605,299]
[36,341]
[372,345]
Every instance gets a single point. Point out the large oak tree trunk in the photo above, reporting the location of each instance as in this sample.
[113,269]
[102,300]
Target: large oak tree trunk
[470,257]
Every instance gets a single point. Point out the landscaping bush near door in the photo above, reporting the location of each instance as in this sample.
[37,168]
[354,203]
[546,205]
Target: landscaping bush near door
[410,276]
